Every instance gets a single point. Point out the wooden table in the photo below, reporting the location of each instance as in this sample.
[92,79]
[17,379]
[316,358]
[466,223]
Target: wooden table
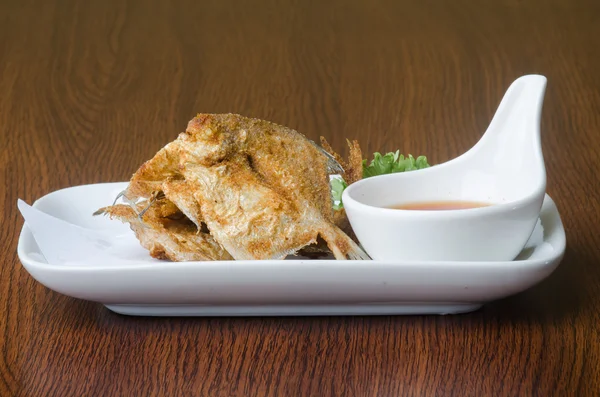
[91,89]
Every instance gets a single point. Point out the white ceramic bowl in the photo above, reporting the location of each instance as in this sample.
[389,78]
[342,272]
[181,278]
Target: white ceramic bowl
[494,233]
[505,169]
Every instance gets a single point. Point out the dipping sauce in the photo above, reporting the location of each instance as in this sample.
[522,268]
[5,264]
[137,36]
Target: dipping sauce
[440,205]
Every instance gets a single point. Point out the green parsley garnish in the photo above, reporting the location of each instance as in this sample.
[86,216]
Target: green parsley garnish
[380,165]
[337,188]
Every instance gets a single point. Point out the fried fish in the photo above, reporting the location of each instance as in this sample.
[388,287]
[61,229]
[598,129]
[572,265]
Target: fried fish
[259,189]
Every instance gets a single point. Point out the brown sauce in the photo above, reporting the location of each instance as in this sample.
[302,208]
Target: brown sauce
[440,205]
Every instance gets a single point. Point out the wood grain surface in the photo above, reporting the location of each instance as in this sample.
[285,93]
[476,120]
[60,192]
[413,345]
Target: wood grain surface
[91,89]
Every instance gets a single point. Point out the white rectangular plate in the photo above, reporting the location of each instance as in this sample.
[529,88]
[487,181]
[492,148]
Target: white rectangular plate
[298,286]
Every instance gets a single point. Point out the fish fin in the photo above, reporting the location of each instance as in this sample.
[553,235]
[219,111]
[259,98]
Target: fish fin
[333,166]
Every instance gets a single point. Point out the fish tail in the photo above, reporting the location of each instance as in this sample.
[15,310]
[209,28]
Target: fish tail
[342,246]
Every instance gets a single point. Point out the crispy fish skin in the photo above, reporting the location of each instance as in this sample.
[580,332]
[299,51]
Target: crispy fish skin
[270,151]
[262,189]
[150,177]
[167,234]
[248,218]
[284,159]
[177,192]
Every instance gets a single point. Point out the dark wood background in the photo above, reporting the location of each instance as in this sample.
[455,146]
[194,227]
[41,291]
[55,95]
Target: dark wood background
[90,89]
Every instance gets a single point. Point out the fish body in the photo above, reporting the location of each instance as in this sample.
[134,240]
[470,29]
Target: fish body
[260,189]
